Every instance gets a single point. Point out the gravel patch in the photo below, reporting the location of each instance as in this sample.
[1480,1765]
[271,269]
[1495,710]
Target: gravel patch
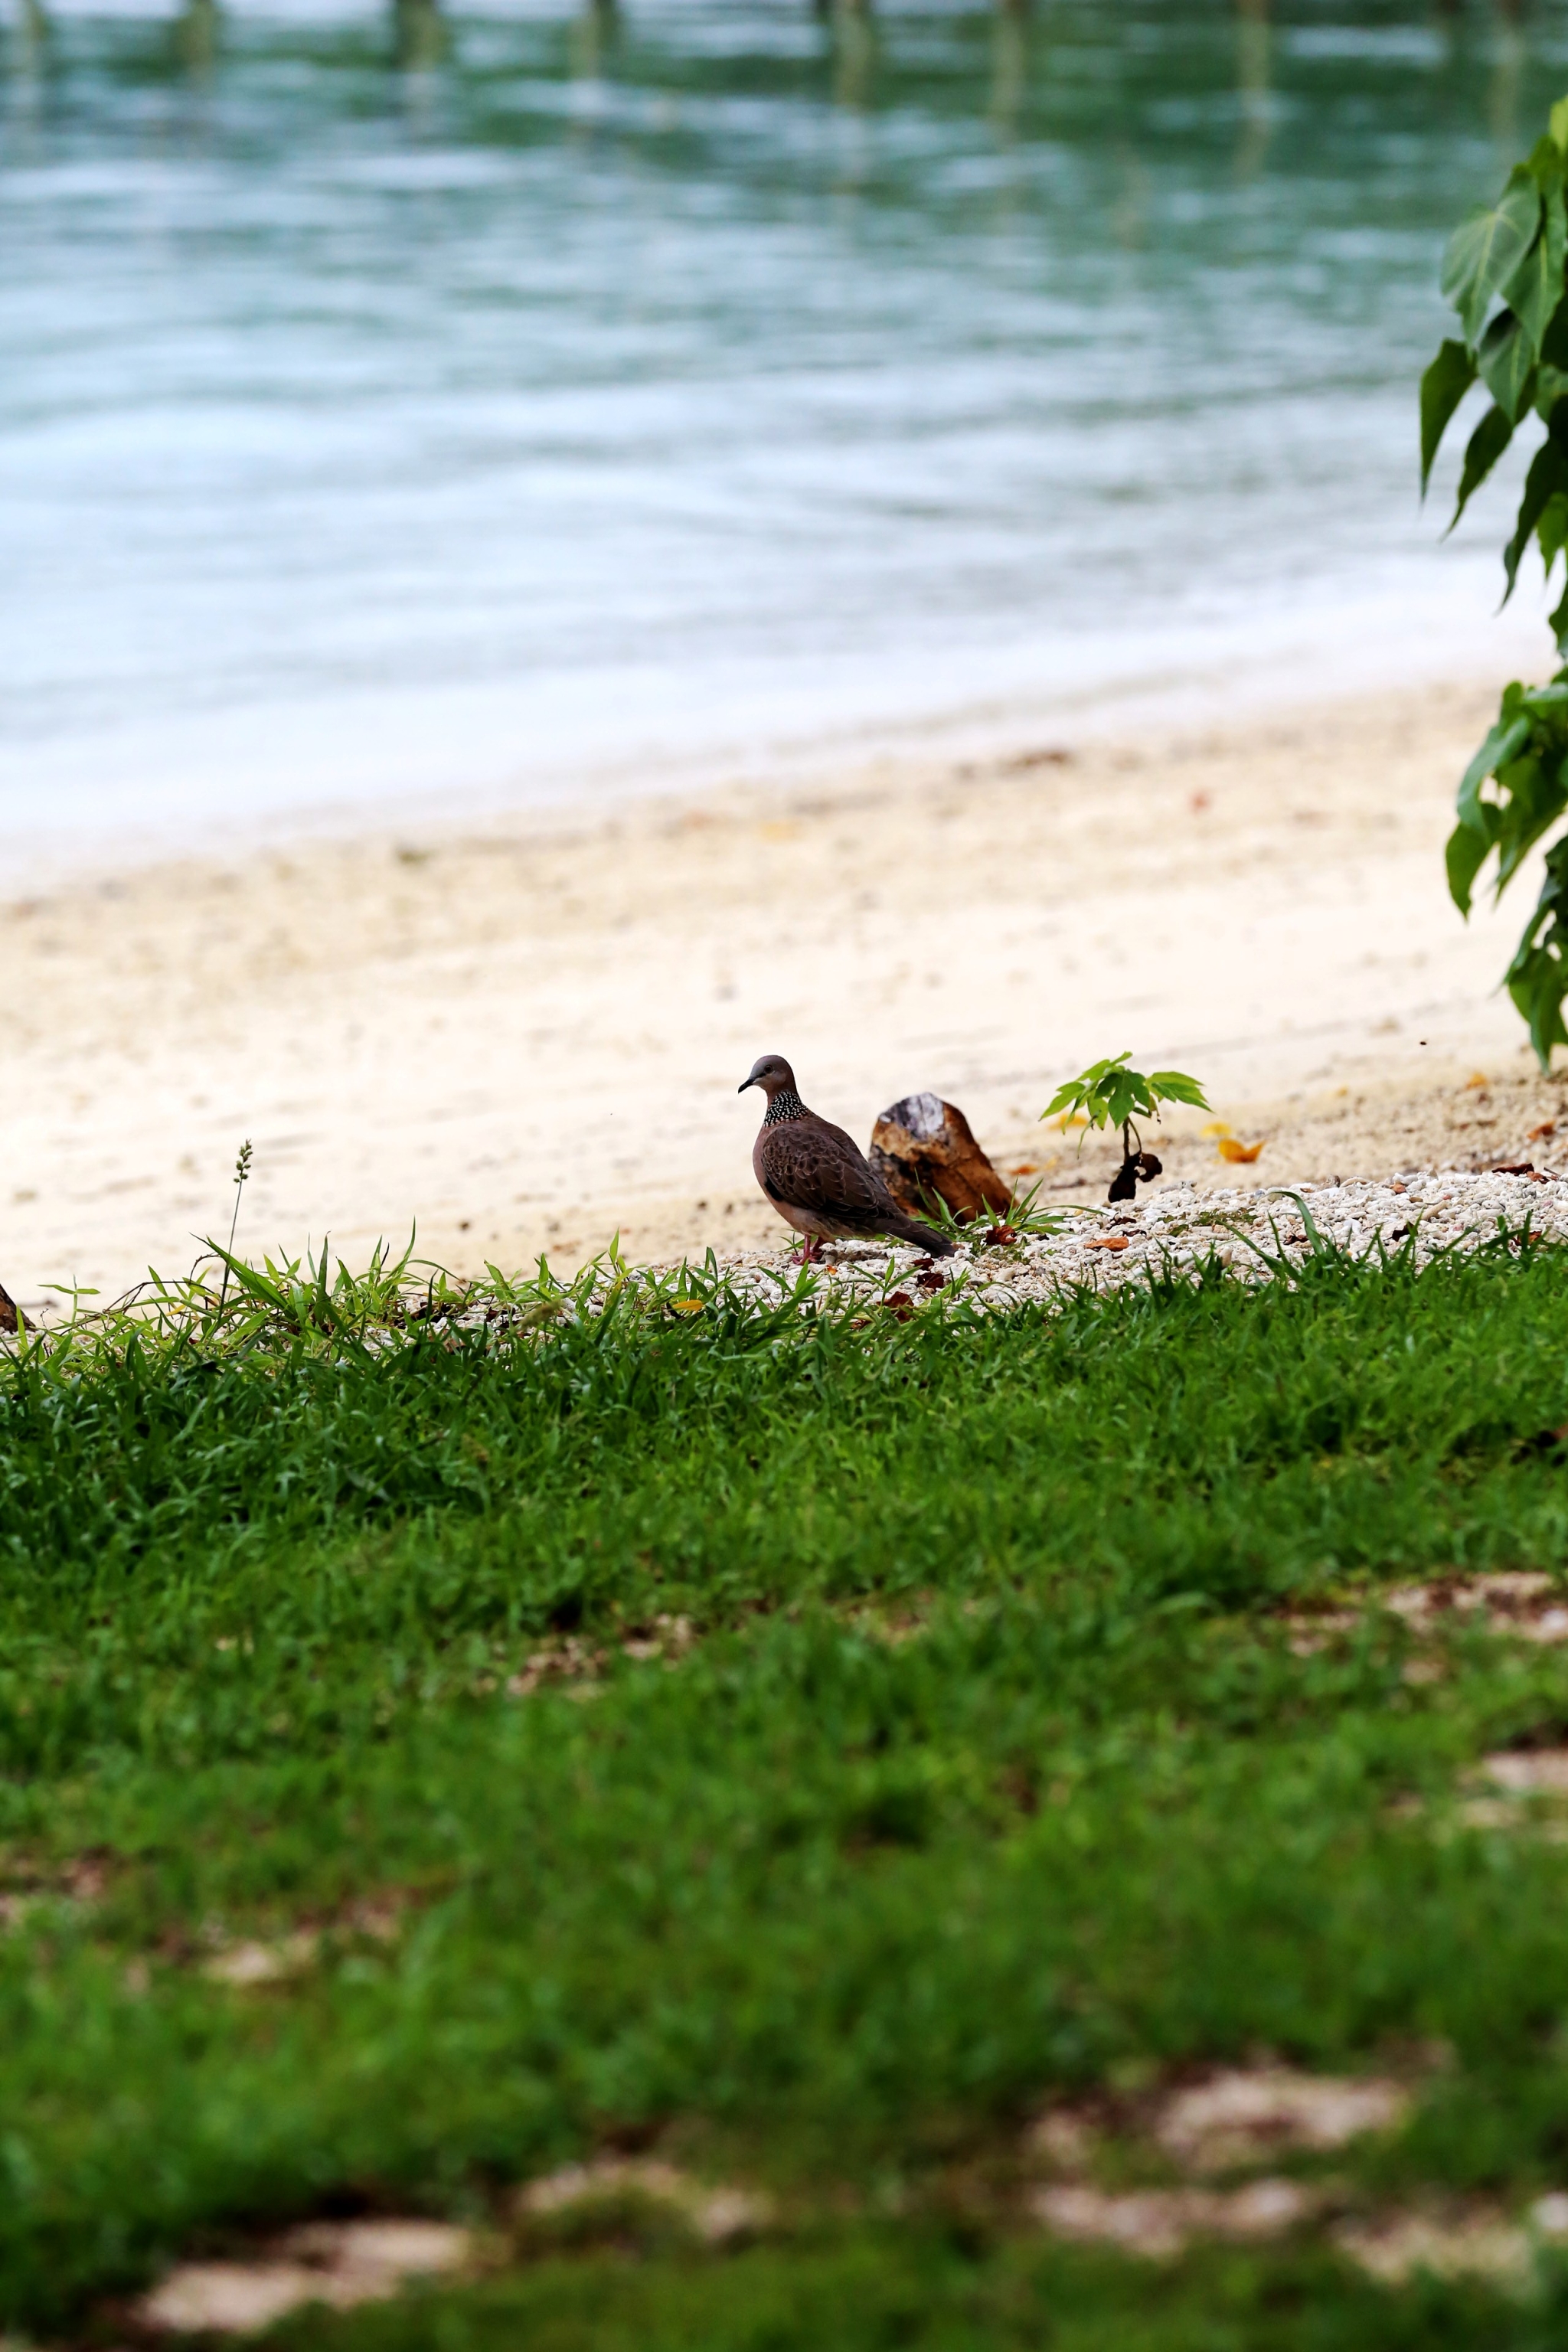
[1180,1230]
[339,2264]
[715,2213]
[1243,2113]
[1159,2223]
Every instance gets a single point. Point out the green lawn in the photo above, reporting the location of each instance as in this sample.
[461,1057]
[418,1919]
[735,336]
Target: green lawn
[793,1903]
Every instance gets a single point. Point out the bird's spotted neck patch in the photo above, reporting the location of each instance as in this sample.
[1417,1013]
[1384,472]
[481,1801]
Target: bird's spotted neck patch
[785,1104]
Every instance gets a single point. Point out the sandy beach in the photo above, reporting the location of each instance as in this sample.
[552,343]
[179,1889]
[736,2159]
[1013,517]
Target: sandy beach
[523,1036]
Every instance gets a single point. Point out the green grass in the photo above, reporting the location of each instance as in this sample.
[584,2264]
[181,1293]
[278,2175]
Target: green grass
[932,2291]
[807,1907]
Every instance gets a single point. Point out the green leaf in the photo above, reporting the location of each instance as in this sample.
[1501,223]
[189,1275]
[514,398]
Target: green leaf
[1125,1095]
[1550,382]
[265,1293]
[1557,124]
[1507,362]
[1537,979]
[1505,740]
[1547,478]
[1554,343]
[1085,1093]
[1534,799]
[1546,164]
[1465,855]
[1485,251]
[1485,447]
[1174,1085]
[1443,387]
[1536,989]
[1535,288]
[1551,530]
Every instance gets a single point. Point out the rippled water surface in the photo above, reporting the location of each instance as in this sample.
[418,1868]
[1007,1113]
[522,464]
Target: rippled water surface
[705,376]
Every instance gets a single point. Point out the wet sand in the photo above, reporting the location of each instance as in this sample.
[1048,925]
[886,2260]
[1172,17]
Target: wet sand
[527,1035]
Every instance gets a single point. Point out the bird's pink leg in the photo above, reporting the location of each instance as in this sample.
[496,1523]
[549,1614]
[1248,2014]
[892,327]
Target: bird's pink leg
[810,1250]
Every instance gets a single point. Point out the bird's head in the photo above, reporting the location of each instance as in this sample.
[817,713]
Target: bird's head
[773,1073]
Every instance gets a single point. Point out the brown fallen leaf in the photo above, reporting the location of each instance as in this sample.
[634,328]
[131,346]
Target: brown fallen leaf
[1230,1147]
[900,1304]
[1107,1241]
[1538,1134]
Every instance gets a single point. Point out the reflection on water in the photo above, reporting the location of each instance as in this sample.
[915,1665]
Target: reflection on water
[196,36]
[1252,84]
[561,379]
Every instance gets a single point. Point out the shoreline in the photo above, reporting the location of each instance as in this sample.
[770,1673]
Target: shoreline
[580,750]
[523,1035]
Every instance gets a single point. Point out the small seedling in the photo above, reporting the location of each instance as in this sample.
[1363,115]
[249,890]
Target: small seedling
[1109,1094]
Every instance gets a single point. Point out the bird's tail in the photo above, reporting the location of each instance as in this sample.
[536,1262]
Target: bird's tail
[924,1237]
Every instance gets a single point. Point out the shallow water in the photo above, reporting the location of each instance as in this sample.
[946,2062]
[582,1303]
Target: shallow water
[706,379]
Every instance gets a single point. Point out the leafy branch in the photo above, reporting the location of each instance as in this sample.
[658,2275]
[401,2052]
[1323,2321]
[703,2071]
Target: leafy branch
[1503,273]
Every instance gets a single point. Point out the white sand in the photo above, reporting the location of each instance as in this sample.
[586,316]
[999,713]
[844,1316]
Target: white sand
[528,1038]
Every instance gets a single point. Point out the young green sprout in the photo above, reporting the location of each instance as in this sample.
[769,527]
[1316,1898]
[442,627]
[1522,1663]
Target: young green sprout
[1109,1094]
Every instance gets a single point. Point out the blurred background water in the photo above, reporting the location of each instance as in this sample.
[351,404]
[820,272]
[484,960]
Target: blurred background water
[544,395]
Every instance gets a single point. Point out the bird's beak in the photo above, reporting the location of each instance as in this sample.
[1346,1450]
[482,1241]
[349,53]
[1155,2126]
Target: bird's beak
[744,1084]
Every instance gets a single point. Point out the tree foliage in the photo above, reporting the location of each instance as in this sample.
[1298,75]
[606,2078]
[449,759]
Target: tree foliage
[1503,273]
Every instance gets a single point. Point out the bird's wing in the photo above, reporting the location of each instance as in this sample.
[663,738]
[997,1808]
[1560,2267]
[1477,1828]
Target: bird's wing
[812,1165]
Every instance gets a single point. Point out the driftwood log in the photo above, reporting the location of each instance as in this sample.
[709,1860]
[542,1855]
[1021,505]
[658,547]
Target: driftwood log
[12,1319]
[924,1151]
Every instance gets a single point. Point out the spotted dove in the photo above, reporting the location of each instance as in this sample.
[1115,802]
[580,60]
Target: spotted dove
[817,1176]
